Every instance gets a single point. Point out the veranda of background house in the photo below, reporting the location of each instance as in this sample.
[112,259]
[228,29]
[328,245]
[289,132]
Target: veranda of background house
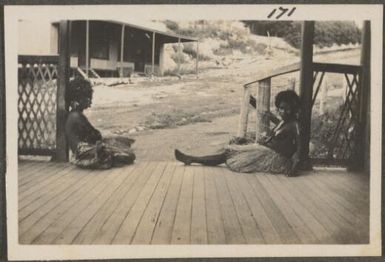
[109,48]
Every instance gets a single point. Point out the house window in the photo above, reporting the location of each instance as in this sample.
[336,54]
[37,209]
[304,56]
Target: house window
[99,40]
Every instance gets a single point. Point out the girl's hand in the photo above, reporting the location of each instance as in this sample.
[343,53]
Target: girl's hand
[264,138]
[270,116]
[99,149]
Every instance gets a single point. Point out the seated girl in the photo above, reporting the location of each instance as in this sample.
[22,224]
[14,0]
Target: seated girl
[89,148]
[275,152]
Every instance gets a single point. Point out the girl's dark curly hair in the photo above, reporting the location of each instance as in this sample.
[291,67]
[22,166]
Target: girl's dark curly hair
[290,97]
[78,88]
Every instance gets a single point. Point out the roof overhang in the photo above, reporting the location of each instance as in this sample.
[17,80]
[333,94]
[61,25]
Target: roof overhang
[167,37]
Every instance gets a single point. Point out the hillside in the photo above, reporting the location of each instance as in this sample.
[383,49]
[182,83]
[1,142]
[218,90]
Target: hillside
[224,44]
[221,44]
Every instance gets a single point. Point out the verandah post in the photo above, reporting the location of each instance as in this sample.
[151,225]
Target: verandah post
[153,55]
[179,55]
[121,50]
[87,47]
[197,60]
[306,92]
[62,82]
[360,159]
[262,107]
[242,127]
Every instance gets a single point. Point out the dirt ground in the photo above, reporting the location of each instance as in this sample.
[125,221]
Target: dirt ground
[195,114]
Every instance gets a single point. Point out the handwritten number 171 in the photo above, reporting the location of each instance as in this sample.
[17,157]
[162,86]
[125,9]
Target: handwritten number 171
[281,12]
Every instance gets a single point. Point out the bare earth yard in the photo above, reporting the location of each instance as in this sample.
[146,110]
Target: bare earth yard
[194,114]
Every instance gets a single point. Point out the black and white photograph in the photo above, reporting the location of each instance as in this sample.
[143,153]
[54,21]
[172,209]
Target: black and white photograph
[193,131]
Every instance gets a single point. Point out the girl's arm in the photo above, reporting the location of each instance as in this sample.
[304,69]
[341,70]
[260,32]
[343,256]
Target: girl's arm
[94,134]
[273,118]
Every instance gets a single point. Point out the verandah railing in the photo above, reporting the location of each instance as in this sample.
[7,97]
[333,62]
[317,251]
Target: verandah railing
[341,143]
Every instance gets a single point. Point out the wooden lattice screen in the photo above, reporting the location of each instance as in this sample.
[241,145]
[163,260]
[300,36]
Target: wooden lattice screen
[37,89]
[343,135]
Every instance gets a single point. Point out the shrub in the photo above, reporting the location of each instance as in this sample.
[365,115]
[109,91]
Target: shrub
[322,130]
[190,49]
[172,119]
[326,33]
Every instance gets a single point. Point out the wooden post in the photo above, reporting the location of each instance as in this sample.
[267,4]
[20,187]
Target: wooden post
[197,60]
[153,55]
[306,92]
[161,59]
[62,82]
[292,83]
[179,54]
[360,159]
[87,47]
[263,106]
[242,127]
[121,50]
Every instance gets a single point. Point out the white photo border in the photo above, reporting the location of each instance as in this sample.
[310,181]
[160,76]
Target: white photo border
[12,14]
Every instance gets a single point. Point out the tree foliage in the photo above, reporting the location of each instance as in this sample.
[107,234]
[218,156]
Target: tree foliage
[326,33]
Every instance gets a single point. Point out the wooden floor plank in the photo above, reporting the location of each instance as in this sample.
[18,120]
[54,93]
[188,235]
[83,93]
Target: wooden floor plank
[83,200]
[111,227]
[231,221]
[165,223]
[26,168]
[25,164]
[145,230]
[356,181]
[77,222]
[282,226]
[315,204]
[128,227]
[305,235]
[338,213]
[269,233]
[215,226]
[59,203]
[198,216]
[35,224]
[353,198]
[347,183]
[92,230]
[343,216]
[348,208]
[44,201]
[322,235]
[182,225]
[29,195]
[247,221]
[36,174]
[48,174]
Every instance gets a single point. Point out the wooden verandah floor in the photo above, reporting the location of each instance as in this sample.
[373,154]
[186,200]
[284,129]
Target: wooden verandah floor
[169,203]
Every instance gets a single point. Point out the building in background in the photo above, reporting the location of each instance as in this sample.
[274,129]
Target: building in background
[107,48]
